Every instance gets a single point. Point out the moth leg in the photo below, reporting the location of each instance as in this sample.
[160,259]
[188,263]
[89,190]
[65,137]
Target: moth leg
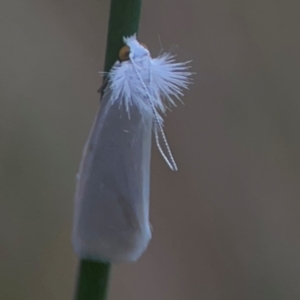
[102,87]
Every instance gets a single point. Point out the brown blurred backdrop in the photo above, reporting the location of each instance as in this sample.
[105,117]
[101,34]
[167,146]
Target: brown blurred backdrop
[226,226]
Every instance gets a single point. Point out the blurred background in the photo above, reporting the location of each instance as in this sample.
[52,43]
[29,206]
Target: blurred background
[226,226]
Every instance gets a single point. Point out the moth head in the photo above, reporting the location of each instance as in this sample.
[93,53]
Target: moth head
[133,49]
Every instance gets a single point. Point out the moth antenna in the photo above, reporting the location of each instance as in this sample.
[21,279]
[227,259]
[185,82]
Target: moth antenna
[170,161]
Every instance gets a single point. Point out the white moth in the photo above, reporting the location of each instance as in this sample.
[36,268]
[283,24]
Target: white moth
[111,221]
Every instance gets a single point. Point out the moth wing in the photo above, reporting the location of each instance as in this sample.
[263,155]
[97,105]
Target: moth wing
[111,220]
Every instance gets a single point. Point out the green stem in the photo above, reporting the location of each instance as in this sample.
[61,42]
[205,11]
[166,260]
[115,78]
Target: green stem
[123,21]
[92,280]
[93,276]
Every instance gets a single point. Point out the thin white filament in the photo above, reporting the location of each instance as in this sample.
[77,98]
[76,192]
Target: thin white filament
[170,161]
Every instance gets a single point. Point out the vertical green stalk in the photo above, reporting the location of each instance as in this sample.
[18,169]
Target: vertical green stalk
[92,280]
[93,276]
[123,21]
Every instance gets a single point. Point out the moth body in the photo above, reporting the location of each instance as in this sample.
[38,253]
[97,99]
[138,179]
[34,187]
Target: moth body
[111,221]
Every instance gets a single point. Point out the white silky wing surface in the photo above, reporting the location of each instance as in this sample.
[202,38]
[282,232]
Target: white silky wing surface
[112,196]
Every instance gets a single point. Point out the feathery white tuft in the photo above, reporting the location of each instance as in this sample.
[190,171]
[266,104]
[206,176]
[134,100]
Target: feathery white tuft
[169,78]
[164,78]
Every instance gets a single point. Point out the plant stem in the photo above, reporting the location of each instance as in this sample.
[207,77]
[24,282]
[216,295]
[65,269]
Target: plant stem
[92,280]
[123,21]
[93,276]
